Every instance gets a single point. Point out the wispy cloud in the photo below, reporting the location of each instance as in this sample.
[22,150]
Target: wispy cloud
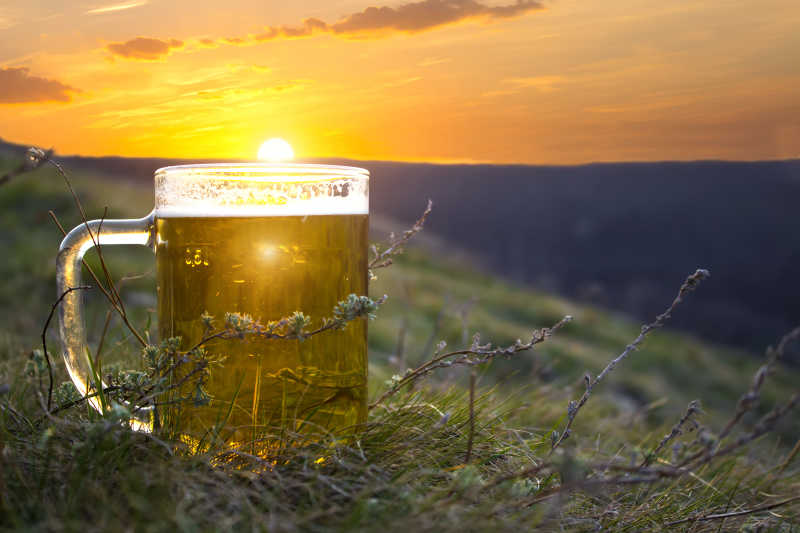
[376,22]
[144,48]
[401,82]
[17,86]
[238,93]
[115,7]
[431,61]
[263,69]
[544,84]
[425,15]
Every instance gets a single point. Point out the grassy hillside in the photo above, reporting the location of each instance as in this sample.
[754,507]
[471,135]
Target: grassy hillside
[410,468]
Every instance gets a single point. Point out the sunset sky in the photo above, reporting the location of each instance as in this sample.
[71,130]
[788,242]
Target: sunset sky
[505,81]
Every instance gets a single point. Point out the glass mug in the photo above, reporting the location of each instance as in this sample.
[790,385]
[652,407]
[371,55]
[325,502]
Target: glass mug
[259,239]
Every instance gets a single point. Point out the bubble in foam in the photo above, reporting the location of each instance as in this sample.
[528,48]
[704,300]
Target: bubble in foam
[249,189]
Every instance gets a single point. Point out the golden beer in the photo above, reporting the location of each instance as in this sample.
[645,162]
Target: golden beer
[267,267]
[264,240]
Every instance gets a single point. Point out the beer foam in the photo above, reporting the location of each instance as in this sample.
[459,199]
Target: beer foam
[259,190]
[307,208]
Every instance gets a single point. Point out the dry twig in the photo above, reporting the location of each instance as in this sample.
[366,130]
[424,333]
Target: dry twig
[44,340]
[111,293]
[720,516]
[383,258]
[574,407]
[34,158]
[677,429]
[476,354]
[750,399]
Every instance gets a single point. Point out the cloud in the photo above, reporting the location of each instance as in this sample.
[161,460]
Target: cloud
[144,48]
[403,81]
[115,7]
[372,22]
[310,27]
[413,17]
[17,86]
[425,15]
[238,93]
[263,69]
[545,84]
[431,61]
[207,43]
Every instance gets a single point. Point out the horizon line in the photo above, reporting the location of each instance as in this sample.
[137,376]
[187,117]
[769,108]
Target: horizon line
[437,162]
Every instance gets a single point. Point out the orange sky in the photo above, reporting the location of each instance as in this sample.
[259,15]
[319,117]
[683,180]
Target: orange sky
[512,81]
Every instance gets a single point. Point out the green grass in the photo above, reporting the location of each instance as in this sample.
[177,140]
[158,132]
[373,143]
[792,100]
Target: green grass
[406,471]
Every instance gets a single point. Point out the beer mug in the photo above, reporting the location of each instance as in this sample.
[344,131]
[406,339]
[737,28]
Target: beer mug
[258,239]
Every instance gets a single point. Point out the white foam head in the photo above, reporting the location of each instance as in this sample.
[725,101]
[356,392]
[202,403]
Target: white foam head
[258,189]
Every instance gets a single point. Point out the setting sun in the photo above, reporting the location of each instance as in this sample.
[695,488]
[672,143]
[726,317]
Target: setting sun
[275,149]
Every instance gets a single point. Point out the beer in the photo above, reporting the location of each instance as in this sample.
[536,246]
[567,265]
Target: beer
[267,267]
[257,239]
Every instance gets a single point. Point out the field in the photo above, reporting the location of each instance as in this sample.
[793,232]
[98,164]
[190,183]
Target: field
[463,448]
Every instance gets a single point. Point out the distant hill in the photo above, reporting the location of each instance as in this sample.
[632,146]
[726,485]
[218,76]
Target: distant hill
[621,235]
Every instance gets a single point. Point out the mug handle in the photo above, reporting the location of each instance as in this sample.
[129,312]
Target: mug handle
[139,231]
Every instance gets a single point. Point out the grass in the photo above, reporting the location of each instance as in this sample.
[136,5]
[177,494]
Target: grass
[407,470]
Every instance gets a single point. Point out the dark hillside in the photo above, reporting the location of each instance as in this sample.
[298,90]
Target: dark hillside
[621,234]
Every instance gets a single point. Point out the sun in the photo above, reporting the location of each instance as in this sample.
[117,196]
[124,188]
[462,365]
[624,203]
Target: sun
[275,149]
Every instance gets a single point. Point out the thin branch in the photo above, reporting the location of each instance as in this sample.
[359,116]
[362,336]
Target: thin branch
[111,293]
[82,399]
[34,158]
[472,356]
[527,472]
[293,327]
[734,513]
[677,429]
[790,457]
[44,339]
[764,426]
[574,407]
[106,324]
[151,394]
[85,264]
[99,253]
[437,326]
[750,399]
[383,258]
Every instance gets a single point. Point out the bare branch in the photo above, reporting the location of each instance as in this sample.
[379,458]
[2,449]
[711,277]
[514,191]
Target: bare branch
[238,326]
[750,399]
[763,426]
[572,409]
[475,355]
[734,513]
[111,292]
[44,339]
[677,429]
[82,399]
[34,158]
[383,258]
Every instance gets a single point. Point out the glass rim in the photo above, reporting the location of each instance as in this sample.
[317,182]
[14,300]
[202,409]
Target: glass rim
[267,172]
